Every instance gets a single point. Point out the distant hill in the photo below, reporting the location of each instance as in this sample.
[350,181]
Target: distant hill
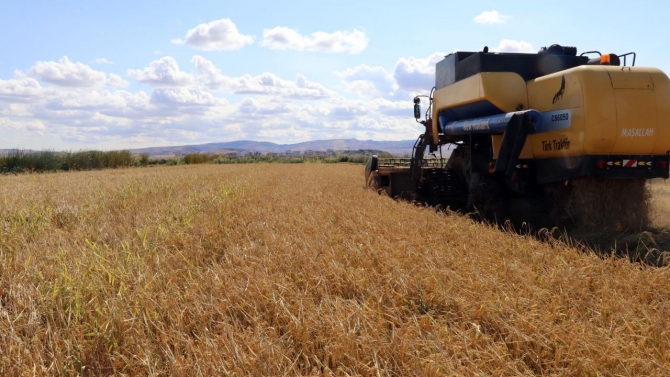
[398,148]
[241,146]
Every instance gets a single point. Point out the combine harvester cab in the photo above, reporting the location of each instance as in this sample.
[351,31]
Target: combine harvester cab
[526,130]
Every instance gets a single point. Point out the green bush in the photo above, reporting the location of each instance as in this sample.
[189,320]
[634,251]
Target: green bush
[197,158]
[143,159]
[44,161]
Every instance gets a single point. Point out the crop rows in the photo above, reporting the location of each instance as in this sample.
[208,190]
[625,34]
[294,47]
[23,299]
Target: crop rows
[272,269]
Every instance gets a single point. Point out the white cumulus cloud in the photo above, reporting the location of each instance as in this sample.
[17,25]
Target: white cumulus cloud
[103,101]
[410,76]
[402,109]
[199,104]
[68,74]
[368,82]
[103,61]
[20,89]
[491,17]
[182,97]
[265,84]
[116,81]
[270,84]
[284,38]
[509,45]
[219,35]
[209,74]
[417,74]
[30,125]
[162,72]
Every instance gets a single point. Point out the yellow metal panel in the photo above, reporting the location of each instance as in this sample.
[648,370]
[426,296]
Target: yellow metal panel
[606,118]
[614,110]
[636,121]
[662,96]
[626,118]
[459,93]
[526,152]
[496,142]
[558,91]
[568,142]
[505,90]
[600,110]
[630,78]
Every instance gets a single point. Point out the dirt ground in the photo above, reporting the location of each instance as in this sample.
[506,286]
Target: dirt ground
[660,203]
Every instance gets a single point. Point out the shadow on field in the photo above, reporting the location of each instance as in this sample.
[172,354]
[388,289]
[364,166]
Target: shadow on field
[607,217]
[650,247]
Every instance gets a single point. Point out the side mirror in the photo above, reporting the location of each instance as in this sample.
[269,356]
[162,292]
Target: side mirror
[417,108]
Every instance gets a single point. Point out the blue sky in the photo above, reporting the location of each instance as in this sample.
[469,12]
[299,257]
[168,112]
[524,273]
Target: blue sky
[125,74]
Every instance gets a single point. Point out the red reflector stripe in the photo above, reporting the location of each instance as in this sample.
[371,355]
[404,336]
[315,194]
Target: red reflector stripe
[629,163]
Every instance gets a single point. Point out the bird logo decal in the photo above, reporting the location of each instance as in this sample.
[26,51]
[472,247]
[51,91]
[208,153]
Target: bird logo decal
[559,95]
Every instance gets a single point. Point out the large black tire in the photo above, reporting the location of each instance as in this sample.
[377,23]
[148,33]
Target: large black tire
[486,196]
[458,162]
[488,199]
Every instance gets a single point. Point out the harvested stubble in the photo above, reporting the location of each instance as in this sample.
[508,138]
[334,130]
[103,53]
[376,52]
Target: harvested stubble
[296,269]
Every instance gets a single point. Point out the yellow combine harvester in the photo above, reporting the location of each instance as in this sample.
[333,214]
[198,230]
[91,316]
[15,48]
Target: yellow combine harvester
[523,127]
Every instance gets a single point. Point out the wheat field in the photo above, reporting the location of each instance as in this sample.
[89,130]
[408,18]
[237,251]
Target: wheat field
[297,270]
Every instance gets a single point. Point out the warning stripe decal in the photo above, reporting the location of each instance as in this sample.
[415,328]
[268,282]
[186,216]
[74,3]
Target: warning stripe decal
[629,163]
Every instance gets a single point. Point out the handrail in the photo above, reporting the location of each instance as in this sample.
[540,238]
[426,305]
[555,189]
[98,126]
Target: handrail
[407,162]
[627,54]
